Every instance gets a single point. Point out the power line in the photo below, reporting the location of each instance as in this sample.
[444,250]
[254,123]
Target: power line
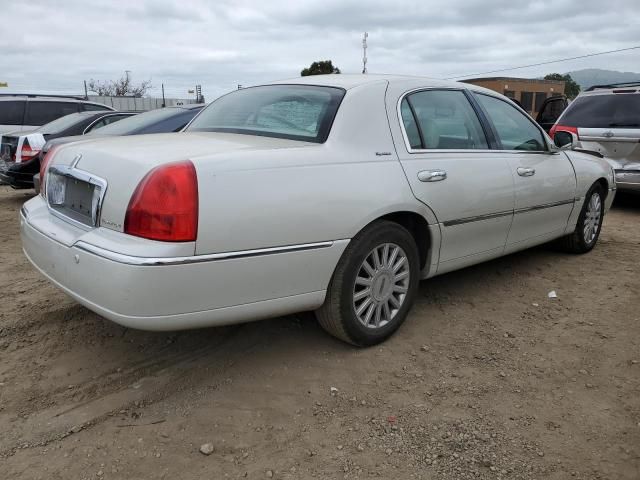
[543,63]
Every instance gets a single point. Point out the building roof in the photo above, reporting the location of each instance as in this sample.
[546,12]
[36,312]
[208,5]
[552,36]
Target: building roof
[511,79]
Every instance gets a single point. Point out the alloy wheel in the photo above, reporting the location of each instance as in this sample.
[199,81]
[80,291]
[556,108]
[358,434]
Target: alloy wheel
[591,222]
[381,285]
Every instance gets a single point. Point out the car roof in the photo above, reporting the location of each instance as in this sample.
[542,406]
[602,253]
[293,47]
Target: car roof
[188,106]
[48,98]
[407,82]
[606,90]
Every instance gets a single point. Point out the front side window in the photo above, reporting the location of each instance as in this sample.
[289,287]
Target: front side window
[515,130]
[441,119]
[295,112]
[11,112]
[39,113]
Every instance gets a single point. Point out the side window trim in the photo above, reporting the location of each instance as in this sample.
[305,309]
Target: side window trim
[418,126]
[490,134]
[520,110]
[490,139]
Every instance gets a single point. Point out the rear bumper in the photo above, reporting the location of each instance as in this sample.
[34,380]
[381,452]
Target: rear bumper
[16,175]
[140,293]
[628,180]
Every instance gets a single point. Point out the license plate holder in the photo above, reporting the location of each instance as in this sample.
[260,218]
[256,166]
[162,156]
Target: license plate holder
[76,198]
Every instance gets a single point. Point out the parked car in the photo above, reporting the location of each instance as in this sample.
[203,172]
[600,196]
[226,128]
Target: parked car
[164,120]
[606,119]
[27,112]
[333,193]
[20,151]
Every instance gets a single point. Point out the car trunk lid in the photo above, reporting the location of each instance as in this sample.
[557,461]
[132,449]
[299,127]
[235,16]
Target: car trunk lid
[91,182]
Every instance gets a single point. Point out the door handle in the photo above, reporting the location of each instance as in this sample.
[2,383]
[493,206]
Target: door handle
[526,171]
[432,175]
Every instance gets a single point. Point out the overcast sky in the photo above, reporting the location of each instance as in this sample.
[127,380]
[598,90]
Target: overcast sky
[53,45]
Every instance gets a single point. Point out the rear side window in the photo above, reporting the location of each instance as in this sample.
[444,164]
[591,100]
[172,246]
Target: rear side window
[515,130]
[618,110]
[441,119]
[39,113]
[12,112]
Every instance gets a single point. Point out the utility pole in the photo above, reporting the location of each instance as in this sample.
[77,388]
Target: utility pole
[364,52]
[86,96]
[163,101]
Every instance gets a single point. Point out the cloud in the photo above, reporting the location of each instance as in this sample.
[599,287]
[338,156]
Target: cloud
[229,42]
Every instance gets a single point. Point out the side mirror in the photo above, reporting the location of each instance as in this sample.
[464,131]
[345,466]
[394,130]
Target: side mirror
[565,140]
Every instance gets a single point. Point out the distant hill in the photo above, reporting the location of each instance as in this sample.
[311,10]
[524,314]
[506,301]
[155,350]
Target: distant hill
[595,76]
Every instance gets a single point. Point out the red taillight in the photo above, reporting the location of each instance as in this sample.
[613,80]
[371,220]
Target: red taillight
[44,163]
[164,206]
[26,152]
[563,128]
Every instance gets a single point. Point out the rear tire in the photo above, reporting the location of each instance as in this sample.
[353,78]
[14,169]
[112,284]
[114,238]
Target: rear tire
[587,231]
[373,286]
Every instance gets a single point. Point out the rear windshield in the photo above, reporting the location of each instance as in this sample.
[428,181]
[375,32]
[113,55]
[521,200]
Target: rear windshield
[138,122]
[62,123]
[295,112]
[618,110]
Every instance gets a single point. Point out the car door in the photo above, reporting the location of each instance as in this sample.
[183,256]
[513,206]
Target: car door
[550,111]
[544,179]
[447,160]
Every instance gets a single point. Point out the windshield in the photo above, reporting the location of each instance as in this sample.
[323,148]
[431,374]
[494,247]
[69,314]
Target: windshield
[62,123]
[618,110]
[134,123]
[296,112]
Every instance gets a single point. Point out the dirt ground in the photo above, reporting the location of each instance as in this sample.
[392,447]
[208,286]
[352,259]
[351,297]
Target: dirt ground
[488,378]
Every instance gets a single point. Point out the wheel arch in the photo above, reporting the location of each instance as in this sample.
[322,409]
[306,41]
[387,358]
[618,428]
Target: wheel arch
[426,233]
[604,184]
[418,227]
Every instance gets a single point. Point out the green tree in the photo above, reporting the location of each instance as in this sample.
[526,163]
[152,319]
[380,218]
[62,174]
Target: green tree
[320,68]
[571,88]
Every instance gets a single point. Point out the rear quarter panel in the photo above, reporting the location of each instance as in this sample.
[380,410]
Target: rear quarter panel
[307,194]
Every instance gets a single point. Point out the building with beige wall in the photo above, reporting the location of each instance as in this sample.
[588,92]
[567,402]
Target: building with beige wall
[531,93]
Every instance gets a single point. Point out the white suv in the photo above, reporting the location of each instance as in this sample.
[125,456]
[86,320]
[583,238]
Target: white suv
[606,119]
[19,113]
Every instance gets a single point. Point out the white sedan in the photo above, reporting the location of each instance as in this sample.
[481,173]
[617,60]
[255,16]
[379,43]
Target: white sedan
[333,193]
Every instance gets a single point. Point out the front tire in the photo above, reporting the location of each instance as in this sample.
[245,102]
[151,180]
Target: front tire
[587,231]
[373,286]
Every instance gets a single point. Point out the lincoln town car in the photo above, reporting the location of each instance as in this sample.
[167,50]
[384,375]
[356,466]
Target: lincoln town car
[335,194]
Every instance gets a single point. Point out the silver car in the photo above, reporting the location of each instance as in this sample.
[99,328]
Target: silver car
[606,119]
[332,193]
